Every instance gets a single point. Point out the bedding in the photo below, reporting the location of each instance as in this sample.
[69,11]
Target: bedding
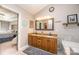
[4,37]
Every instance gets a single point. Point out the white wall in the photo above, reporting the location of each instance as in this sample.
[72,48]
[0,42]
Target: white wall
[15,23]
[60,16]
[22,30]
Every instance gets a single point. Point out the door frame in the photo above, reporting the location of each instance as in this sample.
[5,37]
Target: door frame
[17,21]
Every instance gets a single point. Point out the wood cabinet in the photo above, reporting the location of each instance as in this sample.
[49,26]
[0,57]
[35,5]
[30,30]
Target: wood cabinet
[39,42]
[30,40]
[45,43]
[52,45]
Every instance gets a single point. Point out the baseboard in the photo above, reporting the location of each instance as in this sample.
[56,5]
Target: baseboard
[23,48]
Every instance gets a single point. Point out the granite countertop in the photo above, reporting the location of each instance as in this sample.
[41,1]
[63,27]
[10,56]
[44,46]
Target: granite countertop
[41,35]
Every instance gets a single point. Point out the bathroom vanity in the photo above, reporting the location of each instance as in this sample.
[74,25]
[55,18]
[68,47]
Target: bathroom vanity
[43,41]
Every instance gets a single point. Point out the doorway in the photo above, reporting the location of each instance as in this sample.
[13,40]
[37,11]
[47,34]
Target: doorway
[8,31]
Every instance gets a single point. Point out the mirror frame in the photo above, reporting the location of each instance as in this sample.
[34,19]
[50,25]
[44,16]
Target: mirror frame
[45,29]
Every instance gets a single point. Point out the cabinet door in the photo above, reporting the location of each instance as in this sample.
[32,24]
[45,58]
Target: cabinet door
[55,46]
[30,40]
[34,41]
[39,42]
[44,44]
[52,45]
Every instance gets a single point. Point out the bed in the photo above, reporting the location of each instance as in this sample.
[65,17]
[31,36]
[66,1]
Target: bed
[4,37]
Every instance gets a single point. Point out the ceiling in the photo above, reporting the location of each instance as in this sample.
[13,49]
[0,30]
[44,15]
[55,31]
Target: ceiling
[33,8]
[7,15]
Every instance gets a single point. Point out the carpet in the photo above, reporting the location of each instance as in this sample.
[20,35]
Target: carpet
[36,51]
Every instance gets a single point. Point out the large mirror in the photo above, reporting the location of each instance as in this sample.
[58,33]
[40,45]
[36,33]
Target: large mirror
[47,24]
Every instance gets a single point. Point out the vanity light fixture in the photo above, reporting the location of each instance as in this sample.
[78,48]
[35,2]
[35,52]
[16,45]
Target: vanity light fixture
[44,17]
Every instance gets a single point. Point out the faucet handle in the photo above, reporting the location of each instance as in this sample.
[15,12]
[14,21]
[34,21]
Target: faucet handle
[49,33]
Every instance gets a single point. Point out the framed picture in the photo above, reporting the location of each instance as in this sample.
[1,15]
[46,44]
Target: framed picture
[72,18]
[31,24]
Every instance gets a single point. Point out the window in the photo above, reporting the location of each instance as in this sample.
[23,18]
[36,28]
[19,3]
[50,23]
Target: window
[4,25]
